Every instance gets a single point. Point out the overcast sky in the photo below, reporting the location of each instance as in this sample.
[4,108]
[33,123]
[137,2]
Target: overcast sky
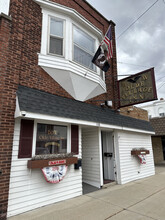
[143,45]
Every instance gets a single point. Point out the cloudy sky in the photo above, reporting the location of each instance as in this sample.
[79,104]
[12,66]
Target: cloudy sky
[142,46]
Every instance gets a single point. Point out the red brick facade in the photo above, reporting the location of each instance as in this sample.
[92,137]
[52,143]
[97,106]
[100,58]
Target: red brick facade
[8,84]
[134,112]
[20,39]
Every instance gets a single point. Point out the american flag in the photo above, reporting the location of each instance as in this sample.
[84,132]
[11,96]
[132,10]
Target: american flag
[108,41]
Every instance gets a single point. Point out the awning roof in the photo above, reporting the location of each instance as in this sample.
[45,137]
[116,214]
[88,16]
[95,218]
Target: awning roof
[36,101]
[159,125]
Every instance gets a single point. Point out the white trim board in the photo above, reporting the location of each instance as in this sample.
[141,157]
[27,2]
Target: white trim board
[76,121]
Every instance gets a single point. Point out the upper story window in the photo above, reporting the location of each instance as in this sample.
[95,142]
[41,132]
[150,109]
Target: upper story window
[161,112]
[84,48]
[56,36]
[51,139]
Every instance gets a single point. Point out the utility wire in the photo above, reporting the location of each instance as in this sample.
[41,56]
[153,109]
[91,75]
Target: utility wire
[132,64]
[139,66]
[137,19]
[160,78]
[161,86]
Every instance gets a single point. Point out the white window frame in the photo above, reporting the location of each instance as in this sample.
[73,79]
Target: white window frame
[49,35]
[51,123]
[92,54]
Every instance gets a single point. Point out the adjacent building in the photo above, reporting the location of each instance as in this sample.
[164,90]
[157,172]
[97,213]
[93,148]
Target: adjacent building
[156,114]
[57,129]
[155,109]
[158,140]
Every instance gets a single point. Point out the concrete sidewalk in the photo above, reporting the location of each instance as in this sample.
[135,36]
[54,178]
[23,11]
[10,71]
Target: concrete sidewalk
[140,200]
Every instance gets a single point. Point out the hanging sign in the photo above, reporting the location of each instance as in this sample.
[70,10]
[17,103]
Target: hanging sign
[54,174]
[137,89]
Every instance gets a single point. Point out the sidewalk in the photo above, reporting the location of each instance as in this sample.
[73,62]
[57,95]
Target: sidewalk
[140,200]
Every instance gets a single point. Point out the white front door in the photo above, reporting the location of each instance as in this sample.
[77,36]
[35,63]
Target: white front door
[108,155]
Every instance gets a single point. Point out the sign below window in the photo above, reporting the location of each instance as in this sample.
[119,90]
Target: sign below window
[55,162]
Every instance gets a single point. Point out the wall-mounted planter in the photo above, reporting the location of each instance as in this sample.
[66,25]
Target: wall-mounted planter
[139,152]
[34,164]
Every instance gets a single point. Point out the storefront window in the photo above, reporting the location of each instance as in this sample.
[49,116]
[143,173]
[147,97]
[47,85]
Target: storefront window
[51,139]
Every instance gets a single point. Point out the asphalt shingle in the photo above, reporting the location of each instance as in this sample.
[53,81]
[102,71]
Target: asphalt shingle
[36,101]
[159,125]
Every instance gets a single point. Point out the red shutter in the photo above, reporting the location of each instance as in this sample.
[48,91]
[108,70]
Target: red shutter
[26,138]
[74,139]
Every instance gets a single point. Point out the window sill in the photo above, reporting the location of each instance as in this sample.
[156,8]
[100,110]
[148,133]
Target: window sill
[79,65]
[60,62]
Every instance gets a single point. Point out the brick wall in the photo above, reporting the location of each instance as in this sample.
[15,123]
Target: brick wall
[20,42]
[157,149]
[8,85]
[134,112]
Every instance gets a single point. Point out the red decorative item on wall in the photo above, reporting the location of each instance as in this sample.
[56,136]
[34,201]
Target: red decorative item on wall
[55,162]
[141,154]
[142,159]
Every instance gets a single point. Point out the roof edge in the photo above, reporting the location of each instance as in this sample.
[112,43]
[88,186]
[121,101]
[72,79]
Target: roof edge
[39,116]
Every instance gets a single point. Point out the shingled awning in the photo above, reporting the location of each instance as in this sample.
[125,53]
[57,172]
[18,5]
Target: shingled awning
[37,101]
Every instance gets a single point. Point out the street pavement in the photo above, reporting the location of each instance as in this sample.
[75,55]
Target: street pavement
[139,200]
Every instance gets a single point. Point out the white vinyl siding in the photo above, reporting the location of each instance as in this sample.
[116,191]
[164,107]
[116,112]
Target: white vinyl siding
[91,156]
[80,142]
[129,167]
[28,188]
